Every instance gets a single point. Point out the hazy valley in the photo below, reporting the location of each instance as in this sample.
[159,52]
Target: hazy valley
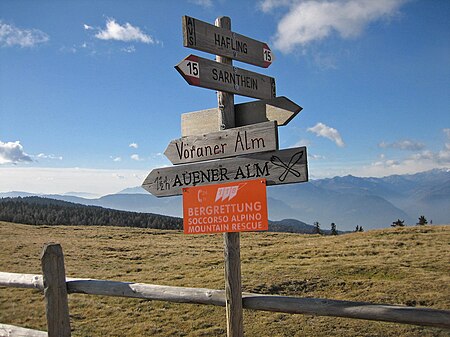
[347,201]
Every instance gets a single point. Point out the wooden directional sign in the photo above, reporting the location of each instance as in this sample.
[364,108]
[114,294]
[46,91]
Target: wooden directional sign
[209,74]
[212,39]
[279,109]
[260,137]
[277,167]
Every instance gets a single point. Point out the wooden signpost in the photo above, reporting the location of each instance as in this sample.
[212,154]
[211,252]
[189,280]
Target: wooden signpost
[203,36]
[279,109]
[230,145]
[278,167]
[222,144]
[205,73]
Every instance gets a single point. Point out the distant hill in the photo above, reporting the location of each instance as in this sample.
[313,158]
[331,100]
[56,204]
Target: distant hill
[296,226]
[45,211]
[347,201]
[134,190]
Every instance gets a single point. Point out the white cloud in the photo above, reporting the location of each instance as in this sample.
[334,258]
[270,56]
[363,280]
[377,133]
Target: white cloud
[13,36]
[12,153]
[135,157]
[49,156]
[129,49]
[72,49]
[268,5]
[316,157]
[87,27]
[322,130]
[302,142]
[308,21]
[420,161]
[324,62]
[62,180]
[134,145]
[406,145]
[116,159]
[203,3]
[388,167]
[126,32]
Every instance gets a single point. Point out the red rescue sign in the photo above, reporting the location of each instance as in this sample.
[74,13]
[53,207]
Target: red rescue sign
[231,207]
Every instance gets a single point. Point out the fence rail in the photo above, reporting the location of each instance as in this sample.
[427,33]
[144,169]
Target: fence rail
[56,287]
[7,330]
[285,304]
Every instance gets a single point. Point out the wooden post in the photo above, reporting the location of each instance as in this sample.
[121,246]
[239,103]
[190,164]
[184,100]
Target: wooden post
[55,291]
[233,288]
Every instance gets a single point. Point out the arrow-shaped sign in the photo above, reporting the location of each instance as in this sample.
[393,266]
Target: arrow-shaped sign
[277,167]
[219,41]
[209,74]
[279,109]
[261,137]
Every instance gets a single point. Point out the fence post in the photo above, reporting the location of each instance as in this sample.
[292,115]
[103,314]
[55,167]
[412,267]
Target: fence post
[55,291]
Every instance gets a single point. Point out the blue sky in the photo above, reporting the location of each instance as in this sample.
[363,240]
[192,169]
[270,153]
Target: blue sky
[89,97]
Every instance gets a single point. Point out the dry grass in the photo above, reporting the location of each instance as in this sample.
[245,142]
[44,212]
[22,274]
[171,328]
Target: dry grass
[406,266]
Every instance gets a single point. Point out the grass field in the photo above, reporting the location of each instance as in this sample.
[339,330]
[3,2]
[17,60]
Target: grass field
[404,266]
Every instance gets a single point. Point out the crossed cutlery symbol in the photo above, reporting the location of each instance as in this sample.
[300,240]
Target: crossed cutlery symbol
[289,168]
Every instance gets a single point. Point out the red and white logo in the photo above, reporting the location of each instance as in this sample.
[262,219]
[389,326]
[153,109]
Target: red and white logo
[227,193]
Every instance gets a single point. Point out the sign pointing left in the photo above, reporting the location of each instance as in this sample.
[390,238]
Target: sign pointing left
[261,137]
[209,74]
[277,167]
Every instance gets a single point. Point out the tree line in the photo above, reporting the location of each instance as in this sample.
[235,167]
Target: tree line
[422,222]
[45,211]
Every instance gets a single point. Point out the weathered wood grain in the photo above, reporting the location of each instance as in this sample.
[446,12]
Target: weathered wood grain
[200,122]
[348,309]
[277,167]
[7,330]
[291,305]
[279,109]
[232,249]
[15,280]
[209,74]
[55,291]
[203,36]
[261,137]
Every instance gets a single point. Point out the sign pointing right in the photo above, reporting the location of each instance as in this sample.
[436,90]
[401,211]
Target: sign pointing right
[280,109]
[216,40]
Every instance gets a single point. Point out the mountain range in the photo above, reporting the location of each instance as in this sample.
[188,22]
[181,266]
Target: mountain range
[347,201]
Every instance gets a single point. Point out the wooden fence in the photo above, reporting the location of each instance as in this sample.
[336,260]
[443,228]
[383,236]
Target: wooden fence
[56,287]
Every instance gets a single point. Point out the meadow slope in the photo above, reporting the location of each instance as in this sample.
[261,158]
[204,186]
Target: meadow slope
[404,266]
